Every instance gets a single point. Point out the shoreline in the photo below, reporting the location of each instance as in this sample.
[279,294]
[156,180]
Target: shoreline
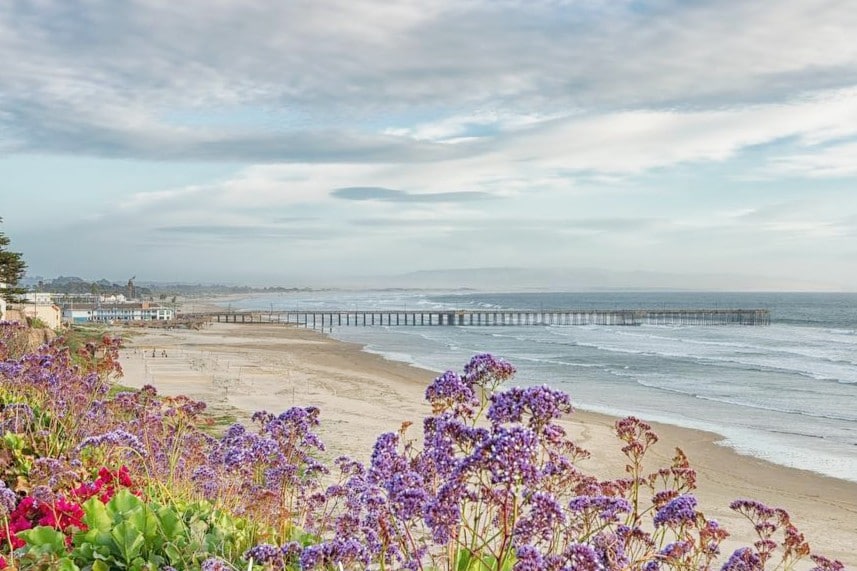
[245,368]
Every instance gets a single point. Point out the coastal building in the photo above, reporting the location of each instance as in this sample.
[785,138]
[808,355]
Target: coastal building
[2,304]
[38,297]
[82,313]
[47,313]
[113,298]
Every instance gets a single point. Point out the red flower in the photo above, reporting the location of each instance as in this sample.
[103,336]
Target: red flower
[104,487]
[62,515]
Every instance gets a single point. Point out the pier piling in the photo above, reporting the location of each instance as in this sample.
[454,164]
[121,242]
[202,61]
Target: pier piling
[493,318]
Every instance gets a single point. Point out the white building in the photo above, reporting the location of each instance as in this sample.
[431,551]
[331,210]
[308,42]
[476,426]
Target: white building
[2,304]
[38,297]
[83,313]
[113,298]
[47,313]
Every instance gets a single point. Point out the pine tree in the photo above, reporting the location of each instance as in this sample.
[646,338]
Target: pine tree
[12,267]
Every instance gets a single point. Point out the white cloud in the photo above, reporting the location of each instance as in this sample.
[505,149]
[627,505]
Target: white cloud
[101,79]
[828,162]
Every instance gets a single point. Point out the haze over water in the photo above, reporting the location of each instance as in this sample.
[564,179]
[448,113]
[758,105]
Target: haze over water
[786,392]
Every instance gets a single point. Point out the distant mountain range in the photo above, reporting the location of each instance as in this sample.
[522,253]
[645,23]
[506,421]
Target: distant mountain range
[76,285]
[486,279]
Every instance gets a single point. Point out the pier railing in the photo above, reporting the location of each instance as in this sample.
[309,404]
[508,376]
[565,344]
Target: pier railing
[323,319]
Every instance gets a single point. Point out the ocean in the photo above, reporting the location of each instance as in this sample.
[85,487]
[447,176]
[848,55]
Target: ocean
[786,392]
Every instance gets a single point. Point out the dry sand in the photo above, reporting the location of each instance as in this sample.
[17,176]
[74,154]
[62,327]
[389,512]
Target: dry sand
[245,368]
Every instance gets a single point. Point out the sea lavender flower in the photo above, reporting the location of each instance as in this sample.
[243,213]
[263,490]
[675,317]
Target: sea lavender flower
[542,405]
[794,542]
[349,467]
[443,512]
[206,478]
[407,494]
[116,438]
[294,427]
[544,517]
[487,371]
[449,390]
[677,512]
[16,417]
[710,537]
[753,509]
[637,435]
[509,456]
[582,557]
[8,500]
[215,564]
[334,552]
[607,508]
[676,550]
[386,460]
[824,564]
[444,435]
[528,559]
[265,554]
[743,559]
[610,549]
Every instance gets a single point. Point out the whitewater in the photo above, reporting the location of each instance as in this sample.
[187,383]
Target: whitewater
[786,392]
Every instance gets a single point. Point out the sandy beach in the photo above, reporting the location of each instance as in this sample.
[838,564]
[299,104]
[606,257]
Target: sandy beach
[244,368]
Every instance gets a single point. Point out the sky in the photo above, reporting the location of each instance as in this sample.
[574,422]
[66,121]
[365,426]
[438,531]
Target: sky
[319,142]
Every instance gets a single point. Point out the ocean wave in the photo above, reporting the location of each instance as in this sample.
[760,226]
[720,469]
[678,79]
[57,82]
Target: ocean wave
[560,363]
[783,410]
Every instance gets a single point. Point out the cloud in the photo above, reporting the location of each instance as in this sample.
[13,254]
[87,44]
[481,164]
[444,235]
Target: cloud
[367,81]
[361,193]
[833,161]
[246,231]
[618,131]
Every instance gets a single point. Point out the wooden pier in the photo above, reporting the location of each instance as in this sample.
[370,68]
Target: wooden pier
[324,319]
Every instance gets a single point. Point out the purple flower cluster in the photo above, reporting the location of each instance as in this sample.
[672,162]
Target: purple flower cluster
[451,391]
[679,511]
[743,559]
[16,417]
[120,439]
[8,500]
[540,405]
[495,480]
[508,457]
[606,508]
[487,371]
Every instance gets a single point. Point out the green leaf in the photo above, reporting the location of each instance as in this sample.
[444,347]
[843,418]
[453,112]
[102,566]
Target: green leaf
[44,540]
[145,522]
[463,560]
[123,503]
[96,539]
[171,525]
[99,565]
[13,441]
[95,515]
[174,555]
[65,564]
[140,564]
[128,541]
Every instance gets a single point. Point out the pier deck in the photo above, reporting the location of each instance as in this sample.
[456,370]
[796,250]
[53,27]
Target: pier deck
[324,319]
